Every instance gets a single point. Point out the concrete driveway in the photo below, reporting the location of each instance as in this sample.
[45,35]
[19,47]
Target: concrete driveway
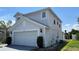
[16,48]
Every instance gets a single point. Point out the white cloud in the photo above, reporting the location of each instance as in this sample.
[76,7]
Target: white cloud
[75,26]
[13,22]
[69,27]
[8,17]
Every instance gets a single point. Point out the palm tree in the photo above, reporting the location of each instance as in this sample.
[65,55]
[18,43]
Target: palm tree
[5,25]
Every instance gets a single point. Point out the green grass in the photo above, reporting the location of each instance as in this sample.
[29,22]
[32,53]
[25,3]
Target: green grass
[60,46]
[73,45]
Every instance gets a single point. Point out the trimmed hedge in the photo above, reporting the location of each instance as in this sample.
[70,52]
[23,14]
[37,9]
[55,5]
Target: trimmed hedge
[40,42]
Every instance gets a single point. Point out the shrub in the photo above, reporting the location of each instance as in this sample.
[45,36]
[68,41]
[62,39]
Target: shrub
[61,41]
[2,41]
[40,42]
[8,40]
[77,36]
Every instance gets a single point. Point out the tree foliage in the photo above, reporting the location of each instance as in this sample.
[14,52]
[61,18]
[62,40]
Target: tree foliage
[5,25]
[77,36]
[74,31]
[78,20]
[69,34]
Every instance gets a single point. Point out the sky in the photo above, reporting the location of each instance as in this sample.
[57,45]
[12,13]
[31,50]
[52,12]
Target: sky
[68,15]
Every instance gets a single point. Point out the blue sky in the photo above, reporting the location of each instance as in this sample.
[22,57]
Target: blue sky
[68,15]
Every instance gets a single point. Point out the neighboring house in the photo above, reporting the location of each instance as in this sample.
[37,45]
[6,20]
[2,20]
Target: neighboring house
[74,36]
[39,23]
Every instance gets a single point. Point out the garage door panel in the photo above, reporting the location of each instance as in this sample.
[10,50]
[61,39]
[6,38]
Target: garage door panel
[27,38]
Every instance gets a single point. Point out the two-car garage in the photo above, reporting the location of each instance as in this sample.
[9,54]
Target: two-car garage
[27,38]
[25,32]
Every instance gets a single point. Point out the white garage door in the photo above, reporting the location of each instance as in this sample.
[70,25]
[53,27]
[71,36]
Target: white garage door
[27,38]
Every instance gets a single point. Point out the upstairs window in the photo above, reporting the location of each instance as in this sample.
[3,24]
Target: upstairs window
[43,14]
[59,25]
[54,21]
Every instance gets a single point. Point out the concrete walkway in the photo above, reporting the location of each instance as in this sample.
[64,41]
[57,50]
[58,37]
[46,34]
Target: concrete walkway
[16,48]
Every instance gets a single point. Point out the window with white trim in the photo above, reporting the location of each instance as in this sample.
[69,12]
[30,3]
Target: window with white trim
[59,25]
[43,14]
[54,21]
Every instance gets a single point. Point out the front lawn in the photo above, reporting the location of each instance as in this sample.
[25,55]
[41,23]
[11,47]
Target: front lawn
[73,45]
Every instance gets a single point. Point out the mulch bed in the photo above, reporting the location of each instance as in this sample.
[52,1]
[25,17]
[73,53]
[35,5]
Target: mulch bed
[56,48]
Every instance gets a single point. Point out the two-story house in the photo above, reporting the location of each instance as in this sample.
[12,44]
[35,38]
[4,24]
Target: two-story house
[39,23]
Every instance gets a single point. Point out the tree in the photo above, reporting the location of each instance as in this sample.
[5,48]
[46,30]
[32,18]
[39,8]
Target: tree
[66,35]
[78,20]
[77,36]
[74,31]
[5,25]
[70,35]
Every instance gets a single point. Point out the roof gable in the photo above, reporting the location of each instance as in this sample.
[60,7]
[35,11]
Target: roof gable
[49,9]
[23,18]
[39,22]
